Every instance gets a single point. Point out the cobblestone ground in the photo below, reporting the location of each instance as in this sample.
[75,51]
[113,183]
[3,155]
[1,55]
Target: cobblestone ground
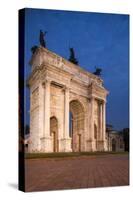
[77,172]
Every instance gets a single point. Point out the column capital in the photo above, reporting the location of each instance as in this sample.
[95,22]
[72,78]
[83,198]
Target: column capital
[104,101]
[92,98]
[66,89]
[101,101]
[47,81]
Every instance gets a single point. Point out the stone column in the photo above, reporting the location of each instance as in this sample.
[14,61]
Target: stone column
[104,125]
[46,139]
[41,109]
[101,121]
[47,109]
[66,139]
[91,142]
[92,118]
[66,114]
[100,138]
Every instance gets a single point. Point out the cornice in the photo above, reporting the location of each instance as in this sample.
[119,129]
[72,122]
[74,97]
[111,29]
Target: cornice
[47,57]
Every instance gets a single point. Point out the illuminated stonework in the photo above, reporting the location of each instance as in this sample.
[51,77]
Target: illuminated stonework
[58,88]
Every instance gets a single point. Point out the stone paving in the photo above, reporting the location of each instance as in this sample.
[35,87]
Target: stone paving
[76,172]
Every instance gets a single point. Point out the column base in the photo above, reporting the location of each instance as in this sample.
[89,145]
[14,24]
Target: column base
[34,145]
[46,144]
[101,145]
[91,145]
[105,143]
[33,149]
[65,145]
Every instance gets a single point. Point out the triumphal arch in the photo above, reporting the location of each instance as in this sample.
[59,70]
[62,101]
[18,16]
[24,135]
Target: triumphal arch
[67,106]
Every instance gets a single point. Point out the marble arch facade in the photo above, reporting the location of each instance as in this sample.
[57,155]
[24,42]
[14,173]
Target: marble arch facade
[58,87]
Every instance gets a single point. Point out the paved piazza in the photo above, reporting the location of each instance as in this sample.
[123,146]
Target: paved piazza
[77,172]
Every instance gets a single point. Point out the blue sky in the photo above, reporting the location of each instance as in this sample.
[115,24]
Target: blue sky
[98,39]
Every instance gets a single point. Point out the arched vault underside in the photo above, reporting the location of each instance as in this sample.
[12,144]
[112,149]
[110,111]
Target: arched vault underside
[78,123]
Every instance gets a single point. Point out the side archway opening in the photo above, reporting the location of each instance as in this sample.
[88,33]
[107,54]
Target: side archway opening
[54,133]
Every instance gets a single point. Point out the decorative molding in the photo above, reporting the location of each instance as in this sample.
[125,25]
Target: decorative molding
[43,56]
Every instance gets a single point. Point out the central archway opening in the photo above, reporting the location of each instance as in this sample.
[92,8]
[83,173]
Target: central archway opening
[76,128]
[54,133]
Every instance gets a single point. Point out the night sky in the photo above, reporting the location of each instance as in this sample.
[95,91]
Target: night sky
[100,40]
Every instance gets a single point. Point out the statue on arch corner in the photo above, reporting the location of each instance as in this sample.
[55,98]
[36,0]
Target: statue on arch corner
[42,38]
[72,56]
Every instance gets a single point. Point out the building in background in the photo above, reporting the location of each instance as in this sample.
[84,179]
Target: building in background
[115,139]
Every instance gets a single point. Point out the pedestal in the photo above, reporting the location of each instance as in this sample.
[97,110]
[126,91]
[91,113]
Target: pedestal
[91,145]
[101,145]
[46,144]
[65,145]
